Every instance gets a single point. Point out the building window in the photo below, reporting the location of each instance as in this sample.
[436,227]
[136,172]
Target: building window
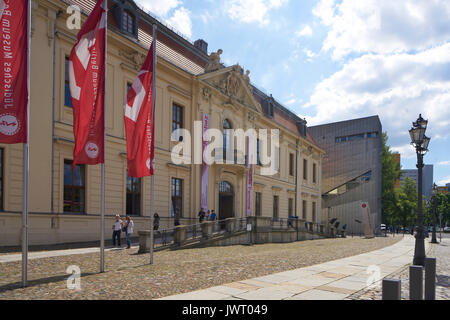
[258,204]
[275,207]
[356,137]
[291,207]
[276,159]
[314,173]
[177,197]
[67,95]
[372,134]
[133,196]
[177,120]
[128,22]
[304,210]
[291,164]
[305,169]
[313,212]
[1,177]
[270,108]
[74,187]
[258,152]
[226,138]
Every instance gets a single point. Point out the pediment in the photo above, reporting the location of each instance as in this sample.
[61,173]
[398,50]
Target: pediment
[234,85]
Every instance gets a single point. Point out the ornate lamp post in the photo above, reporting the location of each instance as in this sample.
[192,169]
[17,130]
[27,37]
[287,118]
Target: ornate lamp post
[433,208]
[420,143]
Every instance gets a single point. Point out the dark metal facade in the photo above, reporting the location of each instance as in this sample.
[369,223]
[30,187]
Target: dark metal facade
[351,170]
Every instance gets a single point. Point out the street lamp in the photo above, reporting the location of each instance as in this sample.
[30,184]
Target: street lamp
[433,208]
[420,143]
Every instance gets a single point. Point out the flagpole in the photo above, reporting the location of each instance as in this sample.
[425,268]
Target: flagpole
[102,223]
[26,166]
[153,124]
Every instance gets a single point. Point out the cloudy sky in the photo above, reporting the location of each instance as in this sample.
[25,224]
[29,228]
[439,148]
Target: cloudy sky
[332,60]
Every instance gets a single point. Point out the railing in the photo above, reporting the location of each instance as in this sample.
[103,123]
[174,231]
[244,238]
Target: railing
[189,233]
[193,231]
[163,238]
[283,223]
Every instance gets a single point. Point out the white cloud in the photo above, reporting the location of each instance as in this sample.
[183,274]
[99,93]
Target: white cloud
[181,20]
[444,181]
[306,31]
[383,26]
[406,151]
[249,11]
[396,87]
[444,163]
[172,12]
[160,7]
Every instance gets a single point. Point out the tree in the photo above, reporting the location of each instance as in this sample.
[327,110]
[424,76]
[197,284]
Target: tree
[390,173]
[407,203]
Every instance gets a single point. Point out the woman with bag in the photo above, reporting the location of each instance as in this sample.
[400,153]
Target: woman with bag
[129,225]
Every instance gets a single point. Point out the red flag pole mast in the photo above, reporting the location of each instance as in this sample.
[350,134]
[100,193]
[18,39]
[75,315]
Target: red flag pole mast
[102,223]
[153,138]
[26,164]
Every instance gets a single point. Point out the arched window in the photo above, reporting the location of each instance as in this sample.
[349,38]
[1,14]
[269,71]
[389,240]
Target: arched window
[128,22]
[225,187]
[226,124]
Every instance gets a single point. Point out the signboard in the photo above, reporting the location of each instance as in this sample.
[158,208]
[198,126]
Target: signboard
[367,224]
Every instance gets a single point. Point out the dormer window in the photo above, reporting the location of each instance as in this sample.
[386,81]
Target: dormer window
[128,22]
[270,111]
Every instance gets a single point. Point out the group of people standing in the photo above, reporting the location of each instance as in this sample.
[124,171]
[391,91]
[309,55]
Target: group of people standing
[207,216]
[119,226]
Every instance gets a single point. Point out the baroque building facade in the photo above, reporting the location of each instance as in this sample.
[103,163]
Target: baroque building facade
[64,205]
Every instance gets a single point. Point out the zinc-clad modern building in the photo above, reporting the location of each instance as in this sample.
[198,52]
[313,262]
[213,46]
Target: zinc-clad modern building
[427,178]
[65,206]
[351,170]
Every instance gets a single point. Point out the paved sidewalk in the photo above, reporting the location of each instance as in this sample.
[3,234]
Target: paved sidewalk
[333,280]
[55,253]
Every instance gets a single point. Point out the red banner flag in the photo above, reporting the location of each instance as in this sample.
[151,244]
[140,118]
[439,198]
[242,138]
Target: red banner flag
[13,71]
[139,122]
[87,87]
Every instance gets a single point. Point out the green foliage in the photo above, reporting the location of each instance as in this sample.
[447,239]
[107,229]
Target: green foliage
[389,175]
[406,213]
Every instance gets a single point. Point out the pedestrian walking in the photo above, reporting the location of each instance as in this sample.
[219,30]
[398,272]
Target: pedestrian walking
[201,215]
[213,216]
[156,221]
[117,227]
[129,226]
[208,215]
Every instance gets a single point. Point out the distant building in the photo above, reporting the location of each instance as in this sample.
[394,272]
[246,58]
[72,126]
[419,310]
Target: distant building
[443,189]
[448,187]
[351,170]
[427,178]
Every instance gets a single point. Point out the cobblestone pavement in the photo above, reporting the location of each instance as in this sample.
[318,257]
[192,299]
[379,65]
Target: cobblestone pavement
[129,276]
[439,251]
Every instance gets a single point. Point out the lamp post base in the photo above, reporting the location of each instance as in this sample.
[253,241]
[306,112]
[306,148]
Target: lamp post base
[419,250]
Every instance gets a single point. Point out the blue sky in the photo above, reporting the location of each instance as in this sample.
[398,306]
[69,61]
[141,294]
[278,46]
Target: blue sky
[332,60]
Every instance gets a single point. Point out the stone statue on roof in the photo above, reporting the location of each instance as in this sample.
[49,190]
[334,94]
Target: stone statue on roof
[214,61]
[246,77]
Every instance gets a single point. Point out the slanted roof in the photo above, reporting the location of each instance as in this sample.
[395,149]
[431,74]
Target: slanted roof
[169,45]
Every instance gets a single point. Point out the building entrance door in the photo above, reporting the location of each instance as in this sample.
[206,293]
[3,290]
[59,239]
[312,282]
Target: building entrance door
[226,201]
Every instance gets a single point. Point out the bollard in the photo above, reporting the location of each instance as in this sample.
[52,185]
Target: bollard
[392,289]
[415,283]
[430,278]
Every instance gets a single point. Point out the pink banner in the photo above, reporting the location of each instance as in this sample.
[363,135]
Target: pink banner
[205,167]
[250,175]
